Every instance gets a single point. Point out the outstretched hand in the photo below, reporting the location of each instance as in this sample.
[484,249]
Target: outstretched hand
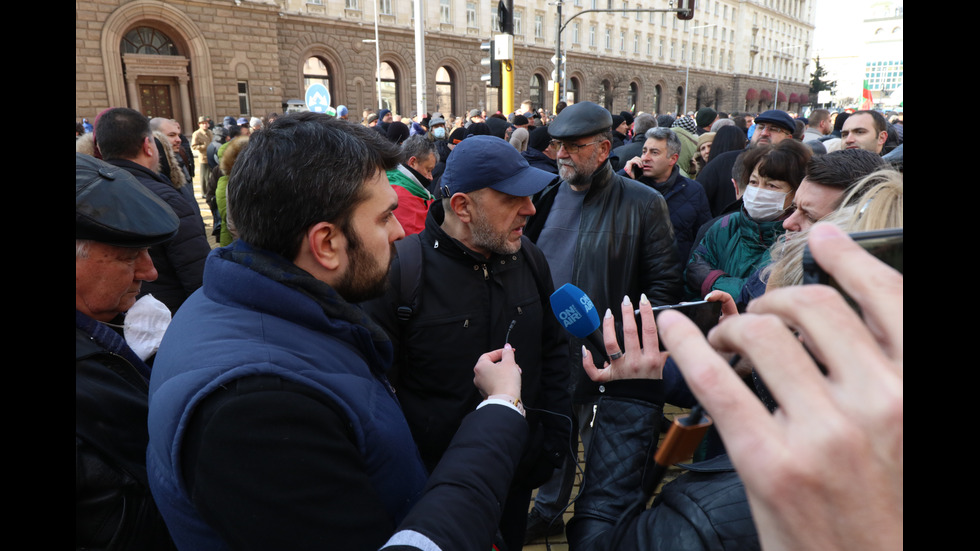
[851,418]
[635,362]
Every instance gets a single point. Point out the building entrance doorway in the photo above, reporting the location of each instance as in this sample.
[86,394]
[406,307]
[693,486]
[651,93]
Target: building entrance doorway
[155,101]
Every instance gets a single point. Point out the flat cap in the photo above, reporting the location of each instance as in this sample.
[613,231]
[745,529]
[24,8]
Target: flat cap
[580,119]
[112,207]
[779,118]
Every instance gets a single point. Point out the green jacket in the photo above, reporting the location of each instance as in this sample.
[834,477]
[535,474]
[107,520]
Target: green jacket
[732,250]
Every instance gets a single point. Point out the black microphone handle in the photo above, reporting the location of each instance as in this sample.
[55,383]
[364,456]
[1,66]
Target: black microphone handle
[595,338]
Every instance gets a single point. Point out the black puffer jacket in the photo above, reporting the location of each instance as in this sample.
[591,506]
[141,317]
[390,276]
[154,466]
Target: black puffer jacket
[113,505]
[625,247]
[703,509]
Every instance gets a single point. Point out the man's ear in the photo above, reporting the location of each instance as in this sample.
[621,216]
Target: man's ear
[326,245]
[882,137]
[149,146]
[605,147]
[460,204]
[412,161]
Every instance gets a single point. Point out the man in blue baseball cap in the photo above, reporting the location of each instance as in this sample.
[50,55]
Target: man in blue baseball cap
[483,284]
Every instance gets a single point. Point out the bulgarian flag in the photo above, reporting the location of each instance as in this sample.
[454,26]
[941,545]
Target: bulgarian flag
[869,101]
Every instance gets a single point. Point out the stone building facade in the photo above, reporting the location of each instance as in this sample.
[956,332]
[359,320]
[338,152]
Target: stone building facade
[185,58]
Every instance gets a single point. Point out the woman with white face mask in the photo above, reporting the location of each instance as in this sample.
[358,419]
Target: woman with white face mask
[738,244]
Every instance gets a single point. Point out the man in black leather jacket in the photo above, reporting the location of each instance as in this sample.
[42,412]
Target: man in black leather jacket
[116,220]
[608,235]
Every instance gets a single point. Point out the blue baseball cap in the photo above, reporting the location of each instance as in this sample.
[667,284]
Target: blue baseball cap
[489,162]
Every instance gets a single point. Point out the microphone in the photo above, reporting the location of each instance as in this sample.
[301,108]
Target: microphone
[578,315]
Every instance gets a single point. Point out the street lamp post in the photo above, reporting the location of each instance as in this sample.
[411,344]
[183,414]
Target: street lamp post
[377,52]
[687,73]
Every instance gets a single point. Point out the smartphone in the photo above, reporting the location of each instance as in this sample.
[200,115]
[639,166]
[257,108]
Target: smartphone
[887,245]
[704,314]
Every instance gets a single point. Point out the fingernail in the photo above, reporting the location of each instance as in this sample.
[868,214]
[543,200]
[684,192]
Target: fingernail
[608,313]
[644,299]
[707,296]
[507,346]
[627,301]
[585,351]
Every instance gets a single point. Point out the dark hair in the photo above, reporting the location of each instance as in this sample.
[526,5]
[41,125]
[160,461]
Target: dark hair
[880,124]
[561,105]
[303,169]
[728,138]
[786,161]
[839,121]
[842,169]
[120,133]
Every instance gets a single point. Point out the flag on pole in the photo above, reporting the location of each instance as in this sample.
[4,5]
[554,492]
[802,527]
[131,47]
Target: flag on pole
[869,101]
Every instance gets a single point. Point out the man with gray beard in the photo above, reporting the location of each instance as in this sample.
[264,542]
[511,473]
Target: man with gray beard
[468,280]
[611,237]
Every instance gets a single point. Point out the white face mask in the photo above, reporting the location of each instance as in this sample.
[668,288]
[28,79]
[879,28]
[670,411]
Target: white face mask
[439,132]
[764,205]
[146,322]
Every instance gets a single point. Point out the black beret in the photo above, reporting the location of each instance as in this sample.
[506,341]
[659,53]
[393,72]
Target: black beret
[580,119]
[113,207]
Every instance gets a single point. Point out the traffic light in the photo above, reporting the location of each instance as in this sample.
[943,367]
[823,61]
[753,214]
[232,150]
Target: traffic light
[685,5]
[492,78]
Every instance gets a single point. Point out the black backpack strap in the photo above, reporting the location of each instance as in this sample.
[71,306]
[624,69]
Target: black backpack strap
[410,277]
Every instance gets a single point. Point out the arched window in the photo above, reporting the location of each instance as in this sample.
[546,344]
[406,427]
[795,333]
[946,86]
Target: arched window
[658,94]
[634,95]
[445,91]
[680,99]
[389,88]
[537,91]
[315,71]
[606,99]
[572,93]
[146,40]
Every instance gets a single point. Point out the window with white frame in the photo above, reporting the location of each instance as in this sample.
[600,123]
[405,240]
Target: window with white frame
[471,15]
[575,32]
[384,7]
[243,99]
[518,23]
[538,26]
[445,11]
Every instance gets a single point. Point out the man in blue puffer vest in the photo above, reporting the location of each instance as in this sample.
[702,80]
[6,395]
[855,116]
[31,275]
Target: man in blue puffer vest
[272,423]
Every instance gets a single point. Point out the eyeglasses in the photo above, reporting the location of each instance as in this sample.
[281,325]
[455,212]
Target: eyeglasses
[762,127]
[570,148]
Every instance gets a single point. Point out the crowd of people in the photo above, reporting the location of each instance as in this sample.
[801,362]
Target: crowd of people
[369,359]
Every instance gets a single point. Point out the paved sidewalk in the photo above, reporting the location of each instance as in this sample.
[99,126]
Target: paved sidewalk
[560,543]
